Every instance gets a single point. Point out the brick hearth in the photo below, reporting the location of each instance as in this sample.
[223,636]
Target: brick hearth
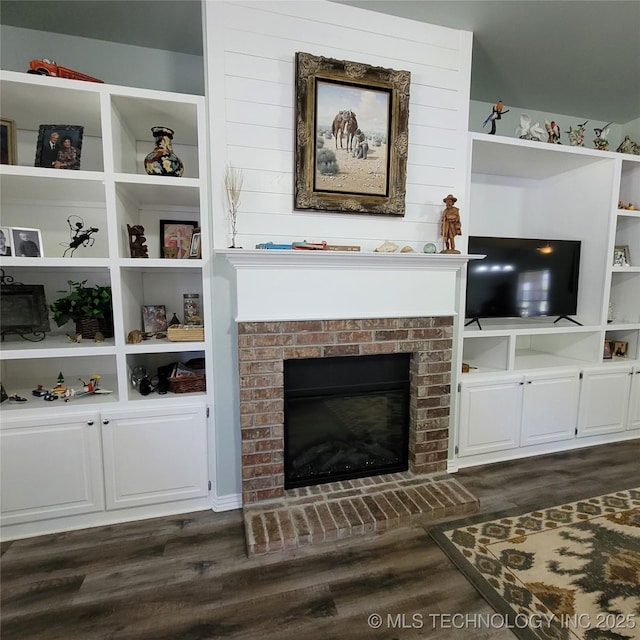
[329,512]
[273,512]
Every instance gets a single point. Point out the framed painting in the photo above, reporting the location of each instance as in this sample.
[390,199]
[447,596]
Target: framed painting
[59,146]
[8,146]
[154,318]
[621,256]
[175,238]
[351,136]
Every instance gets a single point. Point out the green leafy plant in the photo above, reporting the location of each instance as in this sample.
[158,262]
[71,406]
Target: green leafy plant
[83,302]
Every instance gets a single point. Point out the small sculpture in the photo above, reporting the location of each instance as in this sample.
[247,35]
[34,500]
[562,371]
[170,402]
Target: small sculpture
[576,138]
[629,146]
[553,131]
[135,337]
[387,247]
[137,245]
[496,114]
[450,225]
[527,131]
[407,249]
[600,142]
[80,235]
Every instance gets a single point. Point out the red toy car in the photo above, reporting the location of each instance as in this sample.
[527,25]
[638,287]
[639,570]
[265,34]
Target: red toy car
[48,67]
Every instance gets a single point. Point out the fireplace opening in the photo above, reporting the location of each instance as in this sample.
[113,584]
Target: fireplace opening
[345,417]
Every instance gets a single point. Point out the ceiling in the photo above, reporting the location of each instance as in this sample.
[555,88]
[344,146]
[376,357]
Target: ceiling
[576,57]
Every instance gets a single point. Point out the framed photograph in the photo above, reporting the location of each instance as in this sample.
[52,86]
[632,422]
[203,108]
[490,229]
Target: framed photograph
[351,136]
[5,241]
[176,234]
[154,318]
[621,256]
[195,251]
[59,146]
[8,153]
[620,349]
[608,350]
[26,243]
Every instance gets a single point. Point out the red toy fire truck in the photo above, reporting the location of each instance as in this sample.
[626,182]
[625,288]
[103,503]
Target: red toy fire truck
[46,67]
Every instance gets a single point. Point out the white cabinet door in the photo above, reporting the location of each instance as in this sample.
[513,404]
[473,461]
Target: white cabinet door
[490,413]
[604,400]
[50,467]
[154,456]
[634,401]
[550,407]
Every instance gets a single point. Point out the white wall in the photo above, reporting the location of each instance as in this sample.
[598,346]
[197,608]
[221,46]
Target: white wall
[111,62]
[250,86]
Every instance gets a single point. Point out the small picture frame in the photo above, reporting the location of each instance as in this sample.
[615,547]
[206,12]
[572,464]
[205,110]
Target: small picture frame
[6,242]
[8,146]
[154,318]
[26,243]
[195,250]
[59,146]
[620,349]
[176,233]
[608,351]
[621,256]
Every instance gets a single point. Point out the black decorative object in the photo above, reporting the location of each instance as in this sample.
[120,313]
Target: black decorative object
[23,309]
[80,236]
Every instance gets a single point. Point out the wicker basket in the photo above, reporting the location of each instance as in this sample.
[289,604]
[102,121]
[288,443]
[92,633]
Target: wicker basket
[188,384]
[182,333]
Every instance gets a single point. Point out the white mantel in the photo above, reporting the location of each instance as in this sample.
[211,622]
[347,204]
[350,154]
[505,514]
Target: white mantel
[311,285]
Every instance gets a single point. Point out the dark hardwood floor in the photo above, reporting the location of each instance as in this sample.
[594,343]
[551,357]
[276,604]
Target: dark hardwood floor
[188,578]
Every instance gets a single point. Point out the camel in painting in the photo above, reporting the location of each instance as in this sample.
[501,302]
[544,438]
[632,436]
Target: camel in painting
[344,123]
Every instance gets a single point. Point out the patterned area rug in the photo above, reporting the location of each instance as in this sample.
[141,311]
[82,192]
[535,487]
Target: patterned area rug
[567,572]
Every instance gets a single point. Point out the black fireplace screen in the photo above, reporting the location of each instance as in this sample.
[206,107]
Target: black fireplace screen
[345,417]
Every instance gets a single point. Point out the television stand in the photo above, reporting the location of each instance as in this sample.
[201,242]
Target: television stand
[569,319]
[476,320]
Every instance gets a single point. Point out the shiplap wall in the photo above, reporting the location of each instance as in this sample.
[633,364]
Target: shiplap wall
[250,78]
[250,87]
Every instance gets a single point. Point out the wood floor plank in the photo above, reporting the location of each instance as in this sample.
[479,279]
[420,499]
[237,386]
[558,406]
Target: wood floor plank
[188,577]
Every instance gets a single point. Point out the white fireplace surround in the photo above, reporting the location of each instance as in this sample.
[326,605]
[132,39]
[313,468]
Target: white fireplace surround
[329,285]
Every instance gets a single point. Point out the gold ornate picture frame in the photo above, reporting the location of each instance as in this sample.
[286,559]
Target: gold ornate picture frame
[351,136]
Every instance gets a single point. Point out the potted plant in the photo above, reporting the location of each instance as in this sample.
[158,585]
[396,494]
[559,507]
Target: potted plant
[89,307]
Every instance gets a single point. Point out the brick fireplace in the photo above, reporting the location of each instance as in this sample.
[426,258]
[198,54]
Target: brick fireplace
[339,304]
[262,349]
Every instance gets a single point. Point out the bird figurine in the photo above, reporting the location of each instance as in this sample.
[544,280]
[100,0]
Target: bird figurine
[553,131]
[497,112]
[600,142]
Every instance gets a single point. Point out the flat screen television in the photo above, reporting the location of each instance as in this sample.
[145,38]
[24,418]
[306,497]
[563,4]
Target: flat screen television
[522,277]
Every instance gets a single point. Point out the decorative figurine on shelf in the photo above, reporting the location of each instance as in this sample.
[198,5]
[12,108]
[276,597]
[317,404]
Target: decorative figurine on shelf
[450,225]
[174,321]
[497,111]
[576,138]
[387,247]
[527,131]
[80,235]
[137,240]
[629,146]
[162,161]
[553,132]
[600,142]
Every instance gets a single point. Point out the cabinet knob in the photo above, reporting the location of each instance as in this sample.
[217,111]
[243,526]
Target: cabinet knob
[105,421]
[90,423]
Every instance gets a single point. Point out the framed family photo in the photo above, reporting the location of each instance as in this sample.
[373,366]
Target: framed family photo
[175,238]
[6,242]
[8,153]
[26,243]
[59,146]
[351,136]
[621,256]
[195,251]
